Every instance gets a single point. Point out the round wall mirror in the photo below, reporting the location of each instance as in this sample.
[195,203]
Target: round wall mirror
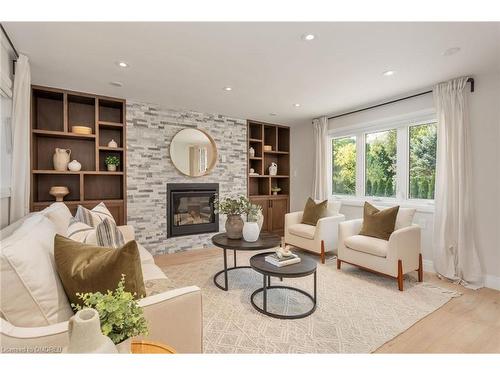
[193,152]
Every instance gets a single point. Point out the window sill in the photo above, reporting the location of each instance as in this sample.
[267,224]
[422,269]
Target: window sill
[359,202]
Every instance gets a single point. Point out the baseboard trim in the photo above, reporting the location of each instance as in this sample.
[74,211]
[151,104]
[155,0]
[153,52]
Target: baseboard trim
[490,281]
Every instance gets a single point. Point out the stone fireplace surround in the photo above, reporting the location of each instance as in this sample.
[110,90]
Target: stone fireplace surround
[150,128]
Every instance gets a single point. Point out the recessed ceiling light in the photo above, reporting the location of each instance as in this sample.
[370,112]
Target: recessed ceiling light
[116,83]
[227,88]
[122,64]
[272,114]
[296,105]
[451,51]
[308,37]
[388,73]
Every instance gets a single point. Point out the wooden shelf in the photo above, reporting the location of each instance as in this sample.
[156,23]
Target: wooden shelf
[58,134]
[54,112]
[254,140]
[105,148]
[276,152]
[110,124]
[255,158]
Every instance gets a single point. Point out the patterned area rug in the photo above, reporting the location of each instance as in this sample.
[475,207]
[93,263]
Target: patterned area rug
[357,311]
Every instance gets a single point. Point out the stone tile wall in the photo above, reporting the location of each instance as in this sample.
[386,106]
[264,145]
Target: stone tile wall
[149,168]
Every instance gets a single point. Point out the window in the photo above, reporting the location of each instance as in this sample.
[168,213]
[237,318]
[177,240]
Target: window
[386,162]
[344,165]
[380,156]
[422,171]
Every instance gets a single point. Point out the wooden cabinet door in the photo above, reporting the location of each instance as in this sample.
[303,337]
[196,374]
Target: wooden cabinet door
[264,203]
[279,207]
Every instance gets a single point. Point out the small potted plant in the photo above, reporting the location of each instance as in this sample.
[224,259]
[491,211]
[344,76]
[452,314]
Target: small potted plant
[112,162]
[251,228]
[232,208]
[120,315]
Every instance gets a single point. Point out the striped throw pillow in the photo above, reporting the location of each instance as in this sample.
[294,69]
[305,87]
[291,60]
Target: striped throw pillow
[81,232]
[108,234]
[95,216]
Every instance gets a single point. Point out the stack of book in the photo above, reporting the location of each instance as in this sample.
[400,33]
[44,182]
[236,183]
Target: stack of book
[280,262]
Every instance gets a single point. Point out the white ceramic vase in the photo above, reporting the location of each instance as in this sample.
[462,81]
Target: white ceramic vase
[251,231]
[251,152]
[74,166]
[85,334]
[61,159]
[273,169]
[112,144]
[111,167]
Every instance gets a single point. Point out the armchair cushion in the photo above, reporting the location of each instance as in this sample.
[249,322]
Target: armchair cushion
[368,245]
[377,223]
[302,230]
[314,211]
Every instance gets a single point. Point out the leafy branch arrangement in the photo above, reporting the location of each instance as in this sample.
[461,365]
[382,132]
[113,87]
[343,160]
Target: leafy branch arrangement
[253,211]
[120,314]
[112,160]
[231,206]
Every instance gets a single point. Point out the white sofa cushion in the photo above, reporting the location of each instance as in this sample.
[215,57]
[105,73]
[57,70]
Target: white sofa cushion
[302,230]
[368,245]
[81,232]
[32,294]
[404,218]
[60,215]
[333,207]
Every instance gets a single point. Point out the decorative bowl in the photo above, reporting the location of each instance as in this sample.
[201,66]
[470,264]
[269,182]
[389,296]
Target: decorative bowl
[77,129]
[59,192]
[268,148]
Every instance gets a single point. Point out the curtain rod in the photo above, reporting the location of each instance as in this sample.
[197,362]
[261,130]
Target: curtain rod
[471,80]
[10,41]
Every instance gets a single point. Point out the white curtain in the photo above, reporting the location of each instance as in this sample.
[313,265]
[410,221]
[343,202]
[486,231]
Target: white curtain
[20,180]
[455,254]
[320,182]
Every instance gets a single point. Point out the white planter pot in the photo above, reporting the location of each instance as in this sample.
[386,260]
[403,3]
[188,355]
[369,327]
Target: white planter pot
[251,231]
[111,167]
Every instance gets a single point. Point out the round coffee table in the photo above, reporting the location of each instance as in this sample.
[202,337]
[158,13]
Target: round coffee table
[304,268]
[265,241]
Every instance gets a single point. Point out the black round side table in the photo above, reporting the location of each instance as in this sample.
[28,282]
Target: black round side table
[265,241]
[304,268]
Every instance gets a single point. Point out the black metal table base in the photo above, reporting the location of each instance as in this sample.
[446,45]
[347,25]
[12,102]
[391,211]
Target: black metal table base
[225,270]
[268,286]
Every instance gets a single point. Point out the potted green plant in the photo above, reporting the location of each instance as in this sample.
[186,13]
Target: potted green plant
[120,315]
[232,208]
[275,190]
[251,228]
[112,162]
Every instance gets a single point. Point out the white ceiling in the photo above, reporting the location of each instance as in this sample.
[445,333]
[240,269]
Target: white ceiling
[268,65]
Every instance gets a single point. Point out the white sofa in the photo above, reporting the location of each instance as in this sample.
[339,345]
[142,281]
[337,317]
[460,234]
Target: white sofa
[318,239]
[34,310]
[395,257]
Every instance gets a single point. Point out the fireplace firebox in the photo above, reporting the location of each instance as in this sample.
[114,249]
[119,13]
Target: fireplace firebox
[190,209]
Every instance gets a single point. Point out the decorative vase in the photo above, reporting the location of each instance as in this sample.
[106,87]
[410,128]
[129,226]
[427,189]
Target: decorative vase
[85,334]
[74,166]
[59,192]
[112,144]
[273,169]
[251,231]
[234,227]
[125,346]
[61,159]
[111,167]
[251,152]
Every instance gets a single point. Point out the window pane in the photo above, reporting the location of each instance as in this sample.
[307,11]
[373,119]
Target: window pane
[380,165]
[344,166]
[423,139]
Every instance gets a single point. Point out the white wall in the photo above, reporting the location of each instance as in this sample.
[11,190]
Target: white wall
[302,160]
[485,139]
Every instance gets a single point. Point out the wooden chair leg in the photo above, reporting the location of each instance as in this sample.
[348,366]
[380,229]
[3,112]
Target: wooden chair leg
[339,262]
[420,269]
[322,252]
[400,275]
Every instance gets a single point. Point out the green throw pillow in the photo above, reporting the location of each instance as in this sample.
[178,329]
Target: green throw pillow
[86,268]
[314,211]
[377,223]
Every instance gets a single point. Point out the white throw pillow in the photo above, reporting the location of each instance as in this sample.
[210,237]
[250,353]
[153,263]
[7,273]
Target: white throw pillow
[59,214]
[404,218]
[32,294]
[333,207]
[94,216]
[81,232]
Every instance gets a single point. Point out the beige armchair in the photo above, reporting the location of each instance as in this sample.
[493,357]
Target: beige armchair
[395,257]
[318,239]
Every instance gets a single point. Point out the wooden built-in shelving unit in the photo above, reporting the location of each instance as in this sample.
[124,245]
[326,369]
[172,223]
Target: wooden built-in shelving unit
[53,114]
[259,186]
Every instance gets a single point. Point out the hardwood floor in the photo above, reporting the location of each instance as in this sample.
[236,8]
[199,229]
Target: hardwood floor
[468,324]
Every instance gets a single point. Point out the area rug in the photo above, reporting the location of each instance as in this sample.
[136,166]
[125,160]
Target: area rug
[357,311]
